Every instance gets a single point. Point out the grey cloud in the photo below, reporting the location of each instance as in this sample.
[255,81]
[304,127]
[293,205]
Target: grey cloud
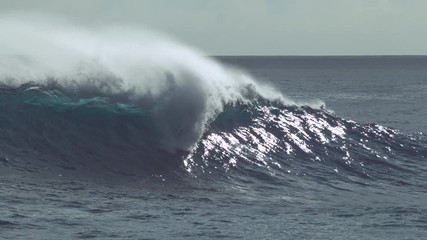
[261,27]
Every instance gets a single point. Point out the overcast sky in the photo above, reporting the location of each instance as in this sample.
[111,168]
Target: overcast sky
[260,27]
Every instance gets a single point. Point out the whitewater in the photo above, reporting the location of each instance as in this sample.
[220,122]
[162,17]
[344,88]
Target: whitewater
[123,133]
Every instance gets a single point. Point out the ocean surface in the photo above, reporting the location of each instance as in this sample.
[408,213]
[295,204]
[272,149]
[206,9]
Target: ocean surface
[165,143]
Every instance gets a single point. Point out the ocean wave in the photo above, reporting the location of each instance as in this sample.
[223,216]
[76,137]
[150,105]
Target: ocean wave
[273,142]
[258,140]
[130,103]
[126,66]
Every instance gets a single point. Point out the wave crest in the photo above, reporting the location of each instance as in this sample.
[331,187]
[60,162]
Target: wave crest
[185,89]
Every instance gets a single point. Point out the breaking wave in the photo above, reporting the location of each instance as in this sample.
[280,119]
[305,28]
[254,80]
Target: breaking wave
[128,66]
[132,102]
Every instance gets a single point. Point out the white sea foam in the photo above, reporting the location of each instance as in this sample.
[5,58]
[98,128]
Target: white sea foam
[123,63]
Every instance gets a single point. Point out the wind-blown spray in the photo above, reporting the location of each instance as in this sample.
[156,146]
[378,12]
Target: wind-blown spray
[183,88]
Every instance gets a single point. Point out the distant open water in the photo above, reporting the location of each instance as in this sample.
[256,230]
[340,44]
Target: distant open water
[391,91]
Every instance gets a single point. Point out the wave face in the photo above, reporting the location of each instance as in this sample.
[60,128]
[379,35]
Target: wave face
[277,144]
[132,103]
[259,140]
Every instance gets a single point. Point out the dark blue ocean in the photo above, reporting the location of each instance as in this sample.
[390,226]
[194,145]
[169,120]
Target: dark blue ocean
[208,148]
[82,165]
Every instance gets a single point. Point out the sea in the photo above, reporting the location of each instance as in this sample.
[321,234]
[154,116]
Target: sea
[143,138]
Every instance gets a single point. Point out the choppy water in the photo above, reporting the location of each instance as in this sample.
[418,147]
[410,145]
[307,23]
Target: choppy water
[182,146]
